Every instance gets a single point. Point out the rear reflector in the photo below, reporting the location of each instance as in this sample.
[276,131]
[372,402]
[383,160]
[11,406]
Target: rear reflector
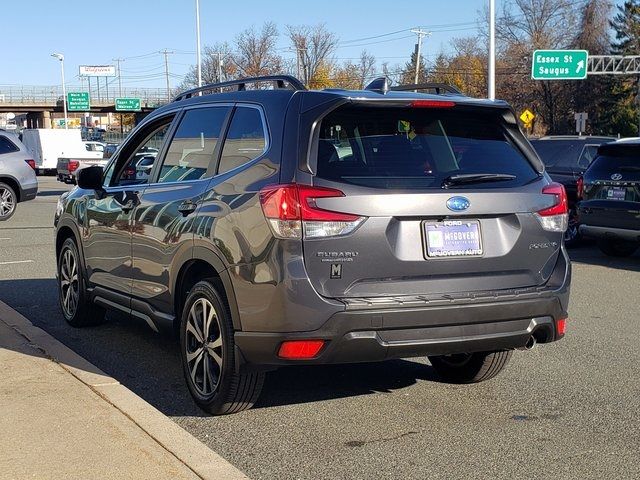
[561,326]
[291,210]
[580,187]
[433,104]
[32,163]
[300,349]
[556,217]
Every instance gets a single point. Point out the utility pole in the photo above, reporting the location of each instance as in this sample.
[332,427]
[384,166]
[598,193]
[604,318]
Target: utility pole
[118,60]
[198,53]
[219,54]
[492,50]
[420,33]
[166,54]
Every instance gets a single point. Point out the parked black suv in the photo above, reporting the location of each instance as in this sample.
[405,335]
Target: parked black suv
[285,226]
[610,206]
[566,157]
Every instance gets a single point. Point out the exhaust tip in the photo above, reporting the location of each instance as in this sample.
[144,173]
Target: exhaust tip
[530,343]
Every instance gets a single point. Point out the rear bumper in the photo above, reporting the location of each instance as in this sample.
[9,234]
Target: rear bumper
[28,193]
[610,232]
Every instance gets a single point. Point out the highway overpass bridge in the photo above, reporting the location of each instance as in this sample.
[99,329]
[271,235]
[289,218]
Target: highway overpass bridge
[42,103]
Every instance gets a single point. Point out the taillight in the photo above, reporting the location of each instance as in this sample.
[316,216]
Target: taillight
[556,217]
[292,212]
[31,162]
[300,349]
[433,104]
[73,165]
[580,187]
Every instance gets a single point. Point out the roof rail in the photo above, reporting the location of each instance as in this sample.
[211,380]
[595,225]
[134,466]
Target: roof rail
[438,87]
[279,81]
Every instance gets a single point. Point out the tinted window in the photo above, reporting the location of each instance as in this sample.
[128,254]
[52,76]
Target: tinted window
[193,147]
[416,147]
[131,173]
[245,139]
[559,153]
[7,146]
[620,159]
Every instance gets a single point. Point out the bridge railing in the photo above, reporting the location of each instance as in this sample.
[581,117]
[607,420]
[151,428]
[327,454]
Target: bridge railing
[52,94]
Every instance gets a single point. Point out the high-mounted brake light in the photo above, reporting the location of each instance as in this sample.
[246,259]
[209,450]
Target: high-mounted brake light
[292,211]
[556,217]
[300,349]
[433,104]
[73,165]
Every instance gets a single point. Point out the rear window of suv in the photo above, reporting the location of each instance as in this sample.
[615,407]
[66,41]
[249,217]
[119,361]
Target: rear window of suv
[616,159]
[417,148]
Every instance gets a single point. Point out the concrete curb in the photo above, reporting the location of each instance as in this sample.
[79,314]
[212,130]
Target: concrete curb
[203,461]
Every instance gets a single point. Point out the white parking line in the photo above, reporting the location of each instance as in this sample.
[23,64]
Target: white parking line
[16,261]
[6,238]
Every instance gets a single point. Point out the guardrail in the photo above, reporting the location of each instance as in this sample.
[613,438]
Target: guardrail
[52,94]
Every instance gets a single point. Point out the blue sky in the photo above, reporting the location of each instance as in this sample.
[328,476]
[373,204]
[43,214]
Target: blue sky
[93,33]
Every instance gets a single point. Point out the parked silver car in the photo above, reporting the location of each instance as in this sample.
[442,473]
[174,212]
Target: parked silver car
[18,182]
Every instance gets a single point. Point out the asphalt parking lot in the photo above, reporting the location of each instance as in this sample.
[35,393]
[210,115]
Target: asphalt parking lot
[565,410]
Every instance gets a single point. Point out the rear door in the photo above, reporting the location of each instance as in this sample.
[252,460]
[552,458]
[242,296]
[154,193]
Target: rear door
[612,188]
[448,203]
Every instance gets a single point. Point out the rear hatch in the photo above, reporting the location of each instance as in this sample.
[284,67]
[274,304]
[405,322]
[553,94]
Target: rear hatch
[611,188]
[437,198]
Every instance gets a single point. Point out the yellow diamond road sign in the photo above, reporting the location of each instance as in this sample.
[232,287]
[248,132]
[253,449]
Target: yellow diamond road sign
[527,116]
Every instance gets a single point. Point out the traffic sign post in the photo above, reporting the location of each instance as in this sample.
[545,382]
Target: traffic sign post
[128,105]
[78,102]
[559,65]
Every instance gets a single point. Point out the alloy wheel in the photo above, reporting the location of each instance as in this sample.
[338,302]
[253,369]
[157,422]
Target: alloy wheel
[7,202]
[203,347]
[69,286]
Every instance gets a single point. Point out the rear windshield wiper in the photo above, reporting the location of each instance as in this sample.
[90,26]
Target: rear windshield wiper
[469,178]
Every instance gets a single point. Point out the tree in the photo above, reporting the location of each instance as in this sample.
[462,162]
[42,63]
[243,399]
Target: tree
[255,51]
[621,114]
[211,55]
[313,46]
[409,73]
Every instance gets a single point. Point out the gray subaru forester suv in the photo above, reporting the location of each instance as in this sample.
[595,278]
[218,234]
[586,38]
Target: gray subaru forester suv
[281,226]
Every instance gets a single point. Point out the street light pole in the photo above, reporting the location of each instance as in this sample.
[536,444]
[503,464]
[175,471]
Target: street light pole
[492,50]
[198,53]
[60,57]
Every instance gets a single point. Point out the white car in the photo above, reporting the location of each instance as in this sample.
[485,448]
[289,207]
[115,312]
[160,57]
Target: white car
[18,182]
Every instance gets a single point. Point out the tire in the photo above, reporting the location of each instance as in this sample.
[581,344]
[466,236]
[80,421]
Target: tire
[618,248]
[77,308]
[470,367]
[8,202]
[219,389]
[572,236]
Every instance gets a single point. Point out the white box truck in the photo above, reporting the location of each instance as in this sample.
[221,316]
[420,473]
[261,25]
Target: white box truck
[46,145]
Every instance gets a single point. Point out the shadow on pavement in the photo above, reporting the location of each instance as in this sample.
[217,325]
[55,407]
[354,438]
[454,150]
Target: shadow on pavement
[149,364]
[589,253]
[51,193]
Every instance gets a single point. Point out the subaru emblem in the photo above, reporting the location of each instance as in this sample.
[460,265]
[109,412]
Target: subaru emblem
[616,176]
[458,204]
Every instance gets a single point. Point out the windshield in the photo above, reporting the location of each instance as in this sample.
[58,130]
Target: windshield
[417,148]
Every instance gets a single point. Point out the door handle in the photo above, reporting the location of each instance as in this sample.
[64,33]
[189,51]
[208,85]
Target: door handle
[187,207]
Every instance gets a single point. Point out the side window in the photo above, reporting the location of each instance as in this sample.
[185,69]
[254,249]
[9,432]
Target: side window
[6,145]
[245,140]
[193,147]
[588,154]
[136,169]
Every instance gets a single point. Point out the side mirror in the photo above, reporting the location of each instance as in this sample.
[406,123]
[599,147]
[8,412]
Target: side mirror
[90,178]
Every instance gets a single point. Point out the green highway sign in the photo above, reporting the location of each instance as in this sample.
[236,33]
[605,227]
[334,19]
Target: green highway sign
[128,105]
[559,65]
[78,102]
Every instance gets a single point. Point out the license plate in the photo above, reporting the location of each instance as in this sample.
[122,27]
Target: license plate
[453,238]
[616,193]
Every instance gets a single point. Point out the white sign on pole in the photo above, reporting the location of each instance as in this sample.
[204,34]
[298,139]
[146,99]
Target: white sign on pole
[97,71]
[581,122]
